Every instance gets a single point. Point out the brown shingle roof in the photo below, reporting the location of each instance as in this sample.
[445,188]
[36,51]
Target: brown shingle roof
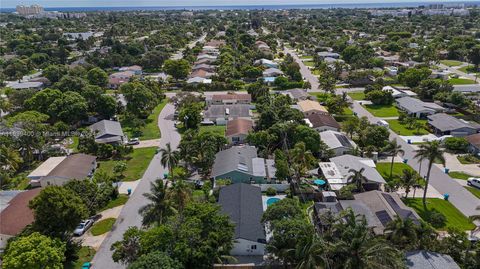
[77,166]
[17,215]
[474,139]
[238,126]
[319,120]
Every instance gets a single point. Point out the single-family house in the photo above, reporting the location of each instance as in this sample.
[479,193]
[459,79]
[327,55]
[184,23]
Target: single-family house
[444,124]
[118,78]
[108,132]
[309,107]
[237,130]
[340,168]
[417,108]
[337,142]
[391,70]
[15,214]
[200,73]
[75,36]
[242,203]
[136,69]
[322,122]
[199,80]
[266,63]
[297,94]
[395,93]
[206,56]
[228,99]
[424,259]
[328,54]
[441,74]
[18,85]
[60,170]
[221,113]
[206,67]
[474,141]
[272,72]
[240,164]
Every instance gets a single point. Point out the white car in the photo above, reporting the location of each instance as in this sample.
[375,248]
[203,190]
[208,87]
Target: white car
[134,141]
[473,181]
[83,227]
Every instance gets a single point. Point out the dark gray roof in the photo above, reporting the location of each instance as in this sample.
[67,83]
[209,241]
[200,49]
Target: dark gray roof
[235,158]
[243,204]
[106,127]
[445,122]
[234,111]
[422,259]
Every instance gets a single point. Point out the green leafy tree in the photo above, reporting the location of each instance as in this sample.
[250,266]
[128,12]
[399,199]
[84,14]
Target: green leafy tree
[55,72]
[71,83]
[178,69]
[155,260]
[140,99]
[71,108]
[34,251]
[57,210]
[96,76]
[190,115]
[474,56]
[413,76]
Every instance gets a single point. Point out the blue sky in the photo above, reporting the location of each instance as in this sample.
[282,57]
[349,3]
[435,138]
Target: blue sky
[96,3]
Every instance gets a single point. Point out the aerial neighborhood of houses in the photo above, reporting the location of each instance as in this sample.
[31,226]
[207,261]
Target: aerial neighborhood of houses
[241,138]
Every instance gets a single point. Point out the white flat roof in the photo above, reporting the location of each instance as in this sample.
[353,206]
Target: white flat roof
[331,172]
[46,167]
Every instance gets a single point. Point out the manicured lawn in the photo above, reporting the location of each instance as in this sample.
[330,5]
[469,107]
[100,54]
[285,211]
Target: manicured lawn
[469,70]
[384,170]
[213,129]
[85,254]
[461,81]
[454,217]
[316,72]
[402,129]
[459,175]
[382,110]
[74,145]
[150,130]
[306,57]
[474,191]
[102,226]
[137,163]
[309,63]
[357,95]
[451,62]
[321,97]
[121,200]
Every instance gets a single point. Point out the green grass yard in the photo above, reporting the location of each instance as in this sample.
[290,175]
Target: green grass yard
[401,129]
[121,200]
[357,95]
[384,170]
[382,111]
[461,81]
[454,217]
[306,57]
[137,163]
[218,129]
[103,226]
[85,254]
[474,191]
[150,130]
[309,63]
[459,175]
[468,159]
[451,63]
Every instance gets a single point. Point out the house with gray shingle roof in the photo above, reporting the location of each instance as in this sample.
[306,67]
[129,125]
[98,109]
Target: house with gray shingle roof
[240,164]
[444,124]
[108,132]
[418,108]
[423,259]
[243,204]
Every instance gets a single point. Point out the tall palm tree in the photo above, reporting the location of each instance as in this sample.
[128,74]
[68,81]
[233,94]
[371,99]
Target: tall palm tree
[301,157]
[431,152]
[408,180]
[394,149]
[357,178]
[10,159]
[402,233]
[179,194]
[312,254]
[160,206]
[169,158]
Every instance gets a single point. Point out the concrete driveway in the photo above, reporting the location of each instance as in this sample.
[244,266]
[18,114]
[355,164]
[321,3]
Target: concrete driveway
[129,215]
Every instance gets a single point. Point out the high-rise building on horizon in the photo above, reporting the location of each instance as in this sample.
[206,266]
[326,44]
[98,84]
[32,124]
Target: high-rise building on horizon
[29,10]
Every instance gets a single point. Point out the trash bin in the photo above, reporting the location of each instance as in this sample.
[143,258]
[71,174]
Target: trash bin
[409,141]
[446,196]
[446,170]
[129,191]
[165,175]
[354,113]
[405,160]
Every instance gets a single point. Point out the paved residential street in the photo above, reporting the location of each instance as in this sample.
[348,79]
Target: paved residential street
[306,73]
[461,198]
[129,215]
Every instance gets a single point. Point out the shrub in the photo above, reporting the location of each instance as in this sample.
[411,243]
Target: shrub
[271,191]
[457,144]
[346,192]
[436,219]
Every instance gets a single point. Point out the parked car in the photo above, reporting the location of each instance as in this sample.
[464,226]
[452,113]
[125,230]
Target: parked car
[383,123]
[83,227]
[473,181]
[134,141]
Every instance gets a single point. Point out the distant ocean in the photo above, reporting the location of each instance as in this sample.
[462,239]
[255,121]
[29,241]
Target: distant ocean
[249,7]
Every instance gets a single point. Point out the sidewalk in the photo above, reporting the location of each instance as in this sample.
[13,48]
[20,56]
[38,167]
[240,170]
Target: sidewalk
[454,165]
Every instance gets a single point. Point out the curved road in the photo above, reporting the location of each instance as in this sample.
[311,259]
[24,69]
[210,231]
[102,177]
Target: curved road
[129,215]
[461,198]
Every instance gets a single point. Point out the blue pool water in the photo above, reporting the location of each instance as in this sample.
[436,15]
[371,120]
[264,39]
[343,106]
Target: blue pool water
[272,200]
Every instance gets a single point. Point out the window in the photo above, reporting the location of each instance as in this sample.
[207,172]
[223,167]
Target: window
[253,246]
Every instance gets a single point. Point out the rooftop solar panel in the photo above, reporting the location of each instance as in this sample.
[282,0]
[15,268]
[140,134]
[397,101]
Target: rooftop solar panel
[383,217]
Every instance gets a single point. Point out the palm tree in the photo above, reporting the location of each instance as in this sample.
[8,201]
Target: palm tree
[301,157]
[357,178]
[402,233]
[431,152]
[312,254]
[160,206]
[393,148]
[169,158]
[179,194]
[409,180]
[10,159]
